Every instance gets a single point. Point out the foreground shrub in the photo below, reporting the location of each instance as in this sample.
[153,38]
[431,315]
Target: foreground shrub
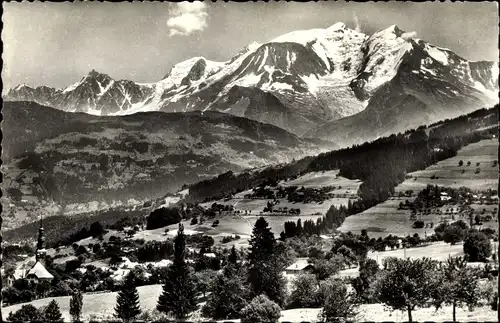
[261,309]
[477,247]
[338,303]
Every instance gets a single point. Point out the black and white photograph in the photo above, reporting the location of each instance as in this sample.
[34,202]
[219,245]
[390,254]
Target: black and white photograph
[248,162]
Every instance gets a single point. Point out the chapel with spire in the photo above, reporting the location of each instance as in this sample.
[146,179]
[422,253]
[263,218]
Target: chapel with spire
[40,246]
[36,272]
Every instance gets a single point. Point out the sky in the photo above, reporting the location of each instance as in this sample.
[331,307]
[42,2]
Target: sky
[56,44]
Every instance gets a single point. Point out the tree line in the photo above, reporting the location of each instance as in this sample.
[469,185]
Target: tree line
[381,164]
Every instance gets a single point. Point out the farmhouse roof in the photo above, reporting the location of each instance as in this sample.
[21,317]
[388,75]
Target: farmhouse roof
[39,271]
[300,264]
[162,263]
[120,274]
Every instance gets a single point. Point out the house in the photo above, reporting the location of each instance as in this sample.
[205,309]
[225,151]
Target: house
[119,274]
[36,271]
[301,265]
[159,264]
[127,264]
[444,196]
[210,255]
[30,271]
[39,273]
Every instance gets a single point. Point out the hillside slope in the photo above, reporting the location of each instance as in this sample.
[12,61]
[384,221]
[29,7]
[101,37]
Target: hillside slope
[101,161]
[381,164]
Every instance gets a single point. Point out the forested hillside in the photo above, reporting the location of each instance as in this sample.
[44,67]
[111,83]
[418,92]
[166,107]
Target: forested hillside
[380,164]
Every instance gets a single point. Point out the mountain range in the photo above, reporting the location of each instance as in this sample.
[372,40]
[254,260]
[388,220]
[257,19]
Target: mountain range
[336,84]
[101,143]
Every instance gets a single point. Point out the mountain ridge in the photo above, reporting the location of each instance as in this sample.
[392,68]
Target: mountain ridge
[315,78]
[60,162]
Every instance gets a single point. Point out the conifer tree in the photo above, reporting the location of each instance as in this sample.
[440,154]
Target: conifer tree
[227,295]
[75,306]
[179,296]
[299,227]
[127,302]
[52,313]
[264,274]
[26,313]
[233,256]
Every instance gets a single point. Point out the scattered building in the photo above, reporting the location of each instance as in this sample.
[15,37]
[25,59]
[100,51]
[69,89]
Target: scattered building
[36,271]
[301,265]
[120,274]
[444,196]
[39,273]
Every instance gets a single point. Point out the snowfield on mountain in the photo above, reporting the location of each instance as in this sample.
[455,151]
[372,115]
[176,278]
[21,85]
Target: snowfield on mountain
[328,83]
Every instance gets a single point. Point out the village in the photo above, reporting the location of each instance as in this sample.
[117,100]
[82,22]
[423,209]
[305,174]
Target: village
[100,263]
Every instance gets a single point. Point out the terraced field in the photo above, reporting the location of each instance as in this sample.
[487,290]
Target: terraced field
[449,173]
[385,218]
[228,225]
[345,189]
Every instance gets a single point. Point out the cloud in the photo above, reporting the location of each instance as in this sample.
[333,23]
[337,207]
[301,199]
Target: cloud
[409,35]
[358,27]
[186,18]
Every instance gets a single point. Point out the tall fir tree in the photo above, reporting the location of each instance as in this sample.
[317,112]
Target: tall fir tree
[75,306]
[299,227]
[127,302]
[52,313]
[227,295]
[179,295]
[233,256]
[264,274]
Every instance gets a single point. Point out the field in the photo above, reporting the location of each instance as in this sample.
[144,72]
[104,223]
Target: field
[229,225]
[344,187]
[325,178]
[378,313]
[437,251]
[449,174]
[385,218]
[95,306]
[242,224]
[99,307]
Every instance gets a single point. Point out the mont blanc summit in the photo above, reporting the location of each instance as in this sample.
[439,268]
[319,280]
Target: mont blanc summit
[302,81]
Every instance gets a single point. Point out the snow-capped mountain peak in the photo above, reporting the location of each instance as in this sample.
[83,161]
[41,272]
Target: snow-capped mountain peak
[250,47]
[337,26]
[304,37]
[393,29]
[296,81]
[193,68]
[20,86]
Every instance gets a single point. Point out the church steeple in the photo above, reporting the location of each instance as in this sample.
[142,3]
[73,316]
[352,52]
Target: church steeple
[40,246]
